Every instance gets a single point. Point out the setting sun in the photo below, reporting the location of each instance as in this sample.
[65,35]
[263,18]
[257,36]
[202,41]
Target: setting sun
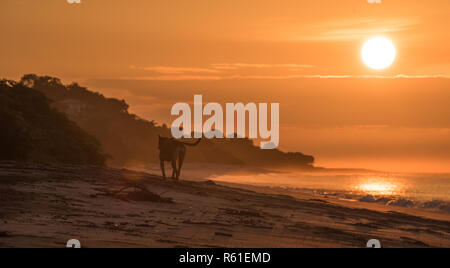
[378,53]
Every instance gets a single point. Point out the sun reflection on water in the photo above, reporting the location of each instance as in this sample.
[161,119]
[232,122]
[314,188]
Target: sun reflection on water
[379,186]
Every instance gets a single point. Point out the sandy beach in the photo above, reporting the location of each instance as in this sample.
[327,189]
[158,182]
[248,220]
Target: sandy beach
[46,205]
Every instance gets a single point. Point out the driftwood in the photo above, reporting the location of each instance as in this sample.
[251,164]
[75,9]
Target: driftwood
[142,195]
[3,234]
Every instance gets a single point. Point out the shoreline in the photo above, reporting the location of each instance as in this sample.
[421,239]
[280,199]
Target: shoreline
[46,205]
[236,176]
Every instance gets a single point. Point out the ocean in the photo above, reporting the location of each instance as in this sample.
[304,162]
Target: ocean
[424,191]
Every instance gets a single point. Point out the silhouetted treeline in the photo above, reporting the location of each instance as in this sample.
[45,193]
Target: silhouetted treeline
[33,131]
[130,140]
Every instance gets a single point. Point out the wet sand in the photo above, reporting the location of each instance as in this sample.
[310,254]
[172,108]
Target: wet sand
[46,205]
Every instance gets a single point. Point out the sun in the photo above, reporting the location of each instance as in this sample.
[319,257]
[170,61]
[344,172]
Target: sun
[378,53]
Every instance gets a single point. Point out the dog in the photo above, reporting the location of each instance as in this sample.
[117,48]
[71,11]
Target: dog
[171,150]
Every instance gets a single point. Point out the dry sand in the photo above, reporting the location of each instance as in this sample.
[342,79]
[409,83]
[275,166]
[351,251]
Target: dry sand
[46,205]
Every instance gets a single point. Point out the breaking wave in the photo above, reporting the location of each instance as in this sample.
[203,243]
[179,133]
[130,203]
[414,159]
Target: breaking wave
[435,205]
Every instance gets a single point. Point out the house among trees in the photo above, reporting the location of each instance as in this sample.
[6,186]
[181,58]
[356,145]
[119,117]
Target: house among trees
[71,107]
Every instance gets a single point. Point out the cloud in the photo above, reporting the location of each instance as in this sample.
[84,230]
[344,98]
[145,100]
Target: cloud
[280,77]
[218,67]
[235,66]
[216,71]
[173,78]
[359,28]
[398,76]
[255,71]
[178,70]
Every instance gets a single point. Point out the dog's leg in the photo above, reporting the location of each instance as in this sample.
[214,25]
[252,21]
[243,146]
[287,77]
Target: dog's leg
[180,163]
[174,168]
[162,169]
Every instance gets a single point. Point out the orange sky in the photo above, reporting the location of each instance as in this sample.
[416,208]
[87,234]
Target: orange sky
[303,54]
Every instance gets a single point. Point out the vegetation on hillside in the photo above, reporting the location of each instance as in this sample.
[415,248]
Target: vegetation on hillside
[31,130]
[130,140]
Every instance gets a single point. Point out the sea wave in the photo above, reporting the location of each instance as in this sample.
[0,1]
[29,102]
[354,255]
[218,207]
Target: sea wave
[440,206]
[435,205]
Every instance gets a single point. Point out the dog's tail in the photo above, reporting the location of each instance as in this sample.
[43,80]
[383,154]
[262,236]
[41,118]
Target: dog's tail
[192,144]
